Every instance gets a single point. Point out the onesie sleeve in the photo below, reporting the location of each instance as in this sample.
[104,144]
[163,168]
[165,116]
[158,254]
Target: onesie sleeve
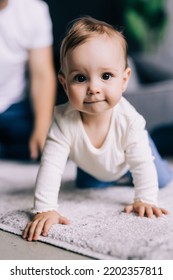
[141,162]
[52,165]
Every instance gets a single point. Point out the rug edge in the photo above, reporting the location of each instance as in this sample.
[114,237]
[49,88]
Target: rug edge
[61,244]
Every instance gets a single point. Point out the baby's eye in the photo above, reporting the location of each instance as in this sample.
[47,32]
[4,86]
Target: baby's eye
[106,76]
[80,78]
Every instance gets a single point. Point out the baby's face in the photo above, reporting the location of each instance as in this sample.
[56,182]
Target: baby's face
[94,75]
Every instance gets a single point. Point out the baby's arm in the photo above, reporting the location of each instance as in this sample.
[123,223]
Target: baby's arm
[48,182]
[145,209]
[141,164]
[41,224]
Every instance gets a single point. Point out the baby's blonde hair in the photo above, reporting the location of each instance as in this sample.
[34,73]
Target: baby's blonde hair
[84,28]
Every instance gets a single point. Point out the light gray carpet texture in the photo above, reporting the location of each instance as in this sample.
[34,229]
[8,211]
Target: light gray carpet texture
[98,226]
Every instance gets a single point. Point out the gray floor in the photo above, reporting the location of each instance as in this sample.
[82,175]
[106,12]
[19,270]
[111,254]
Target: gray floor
[13,247]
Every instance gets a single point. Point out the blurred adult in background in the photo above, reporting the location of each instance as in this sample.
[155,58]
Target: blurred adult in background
[27,78]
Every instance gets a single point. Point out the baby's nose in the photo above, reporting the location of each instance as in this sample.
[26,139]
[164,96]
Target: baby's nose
[94,88]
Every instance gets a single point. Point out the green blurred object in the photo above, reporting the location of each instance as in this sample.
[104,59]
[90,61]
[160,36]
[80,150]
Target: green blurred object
[145,23]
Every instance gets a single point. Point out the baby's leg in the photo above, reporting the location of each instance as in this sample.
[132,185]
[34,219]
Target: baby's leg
[84,180]
[164,171]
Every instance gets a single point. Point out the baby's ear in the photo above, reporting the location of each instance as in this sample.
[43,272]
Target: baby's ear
[126,77]
[62,80]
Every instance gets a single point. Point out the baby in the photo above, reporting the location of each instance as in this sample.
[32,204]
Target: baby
[98,129]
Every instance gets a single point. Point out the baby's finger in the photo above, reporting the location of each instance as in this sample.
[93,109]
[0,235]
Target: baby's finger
[157,212]
[32,230]
[149,212]
[63,220]
[141,211]
[164,211]
[38,229]
[128,209]
[47,225]
[26,230]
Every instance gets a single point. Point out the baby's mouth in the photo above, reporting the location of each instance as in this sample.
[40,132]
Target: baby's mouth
[94,101]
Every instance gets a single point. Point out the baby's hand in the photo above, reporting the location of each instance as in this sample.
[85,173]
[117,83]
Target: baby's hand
[41,224]
[145,209]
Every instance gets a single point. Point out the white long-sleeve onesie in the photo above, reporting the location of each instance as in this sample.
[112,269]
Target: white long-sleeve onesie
[126,147]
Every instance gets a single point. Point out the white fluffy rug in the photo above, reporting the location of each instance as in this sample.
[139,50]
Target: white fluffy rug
[98,227]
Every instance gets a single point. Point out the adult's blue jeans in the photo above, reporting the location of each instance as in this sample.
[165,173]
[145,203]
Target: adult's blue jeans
[164,172]
[16,125]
